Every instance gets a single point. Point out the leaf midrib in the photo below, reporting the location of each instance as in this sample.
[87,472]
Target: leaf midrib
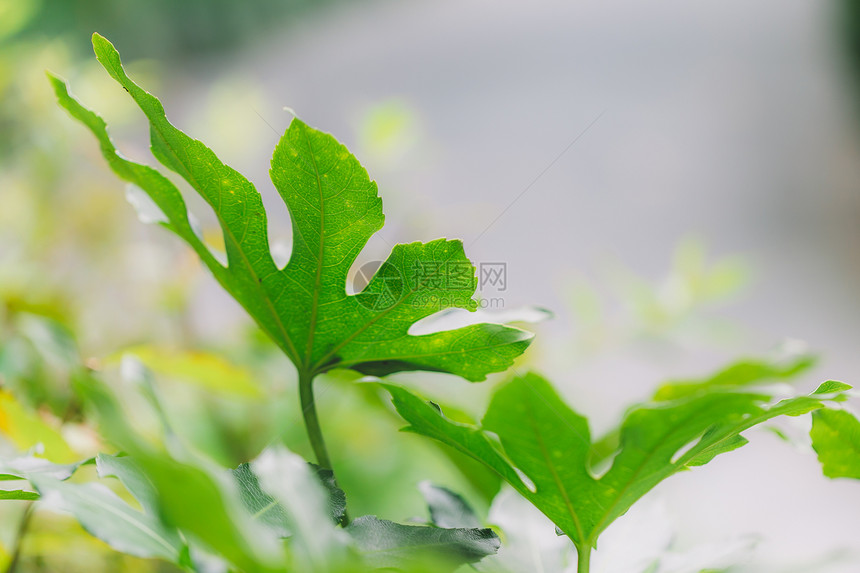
[226,228]
[130,86]
[134,521]
[601,523]
[683,460]
[556,478]
[318,281]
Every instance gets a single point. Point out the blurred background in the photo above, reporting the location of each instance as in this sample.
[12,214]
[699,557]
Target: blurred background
[678,183]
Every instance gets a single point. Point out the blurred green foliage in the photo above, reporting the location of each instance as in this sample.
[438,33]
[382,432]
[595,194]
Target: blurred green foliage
[156,28]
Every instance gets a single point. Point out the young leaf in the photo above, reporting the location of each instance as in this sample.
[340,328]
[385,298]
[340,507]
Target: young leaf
[385,544]
[304,307]
[544,445]
[836,439]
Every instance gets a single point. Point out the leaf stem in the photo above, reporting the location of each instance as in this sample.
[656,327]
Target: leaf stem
[19,539]
[312,423]
[583,557]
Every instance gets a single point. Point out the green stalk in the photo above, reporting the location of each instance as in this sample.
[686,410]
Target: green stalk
[19,539]
[583,561]
[312,423]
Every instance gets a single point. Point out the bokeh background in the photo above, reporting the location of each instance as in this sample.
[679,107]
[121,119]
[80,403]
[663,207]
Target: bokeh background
[679,183]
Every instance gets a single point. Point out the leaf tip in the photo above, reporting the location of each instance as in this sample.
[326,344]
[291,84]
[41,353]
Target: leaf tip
[100,42]
[106,54]
[58,83]
[295,122]
[832,387]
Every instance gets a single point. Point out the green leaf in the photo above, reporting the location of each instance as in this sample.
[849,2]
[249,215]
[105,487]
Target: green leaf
[29,465]
[335,209]
[191,497]
[259,504]
[448,509]
[18,494]
[543,447]
[336,496]
[104,515]
[132,476]
[315,543]
[836,439]
[832,386]
[195,501]
[385,544]
[744,373]
[267,510]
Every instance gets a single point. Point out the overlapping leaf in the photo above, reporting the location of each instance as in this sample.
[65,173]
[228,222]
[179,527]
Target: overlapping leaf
[242,516]
[98,509]
[267,510]
[543,445]
[193,498]
[103,514]
[388,545]
[335,209]
[288,496]
[25,466]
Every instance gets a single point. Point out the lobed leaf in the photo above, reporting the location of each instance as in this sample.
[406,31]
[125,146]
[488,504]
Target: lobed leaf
[335,209]
[543,447]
